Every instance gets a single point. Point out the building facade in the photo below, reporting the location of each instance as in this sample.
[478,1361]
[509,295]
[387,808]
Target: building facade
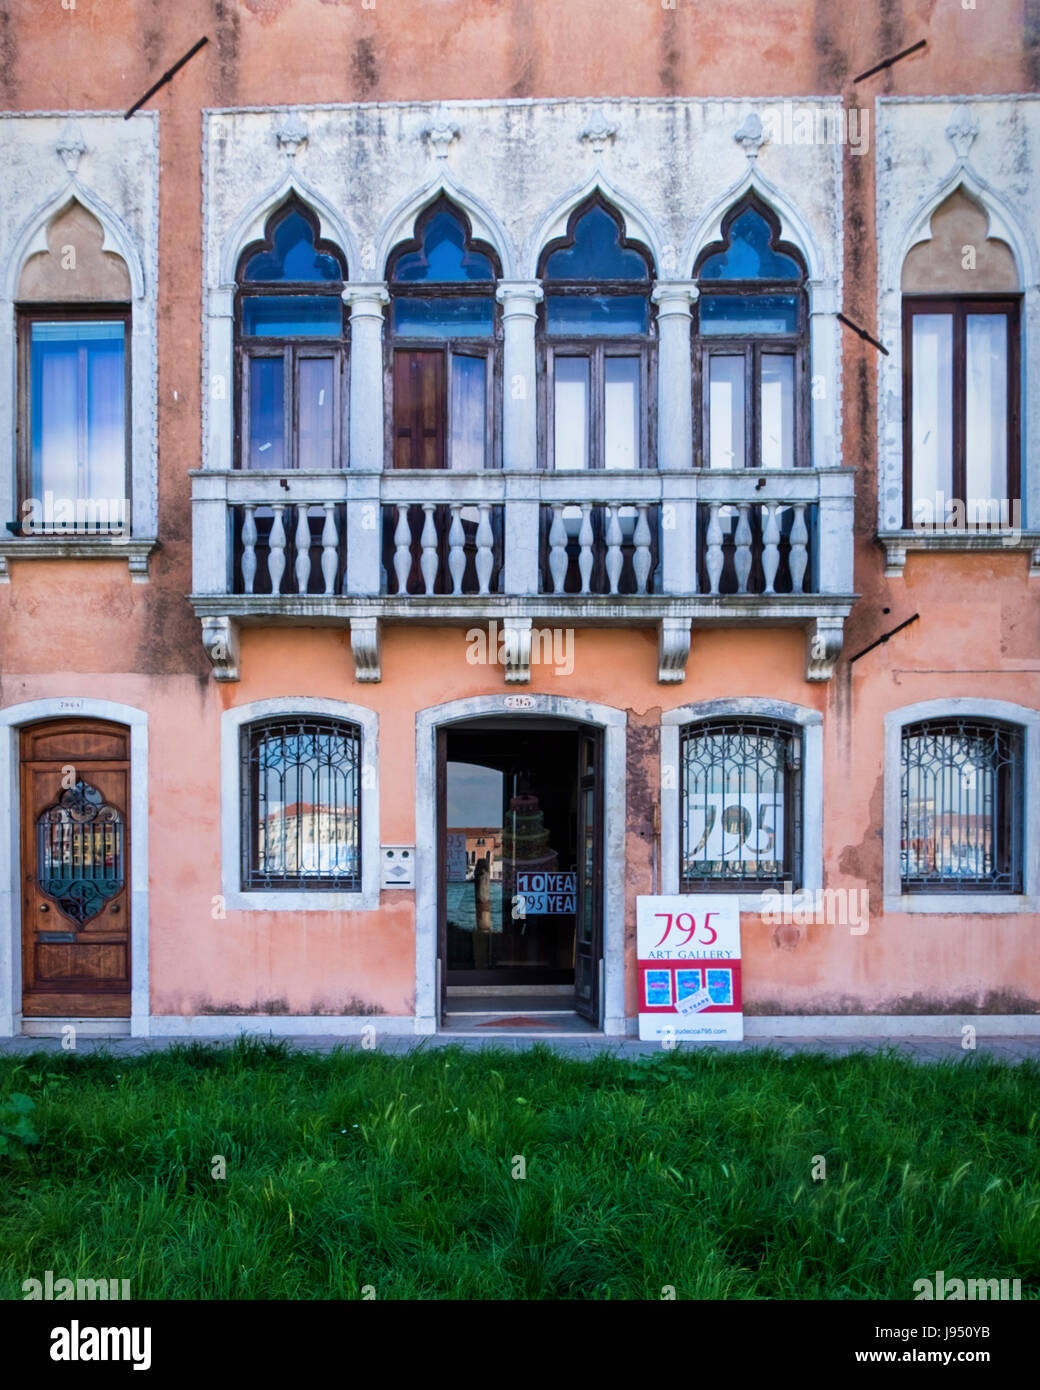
[440,517]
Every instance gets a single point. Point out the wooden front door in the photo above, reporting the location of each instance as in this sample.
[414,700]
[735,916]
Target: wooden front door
[589,936]
[75,861]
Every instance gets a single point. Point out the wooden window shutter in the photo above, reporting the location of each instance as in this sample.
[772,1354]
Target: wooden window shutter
[419,409]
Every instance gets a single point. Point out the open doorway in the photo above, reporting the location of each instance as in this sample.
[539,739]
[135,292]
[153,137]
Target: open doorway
[520,890]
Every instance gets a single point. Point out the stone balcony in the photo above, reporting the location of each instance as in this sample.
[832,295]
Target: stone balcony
[673,550]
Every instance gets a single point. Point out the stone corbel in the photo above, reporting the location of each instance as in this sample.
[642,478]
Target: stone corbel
[673,650]
[1034,562]
[220,639]
[517,650]
[366,648]
[823,638]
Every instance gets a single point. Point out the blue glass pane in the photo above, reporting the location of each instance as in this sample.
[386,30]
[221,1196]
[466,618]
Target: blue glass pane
[444,318]
[596,253]
[293,256]
[749,255]
[78,394]
[748,314]
[292,316]
[596,314]
[443,255]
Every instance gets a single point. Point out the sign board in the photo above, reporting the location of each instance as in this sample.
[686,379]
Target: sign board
[689,968]
[548,894]
[456,856]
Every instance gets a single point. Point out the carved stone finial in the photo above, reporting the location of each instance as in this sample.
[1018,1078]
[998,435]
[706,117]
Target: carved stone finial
[220,639]
[599,133]
[962,130]
[292,134]
[750,137]
[70,147]
[440,135]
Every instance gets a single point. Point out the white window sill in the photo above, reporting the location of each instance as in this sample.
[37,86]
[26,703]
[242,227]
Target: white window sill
[897,544]
[302,900]
[962,904]
[135,552]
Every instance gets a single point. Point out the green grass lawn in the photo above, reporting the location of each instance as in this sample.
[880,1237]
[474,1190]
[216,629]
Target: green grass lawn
[354,1168]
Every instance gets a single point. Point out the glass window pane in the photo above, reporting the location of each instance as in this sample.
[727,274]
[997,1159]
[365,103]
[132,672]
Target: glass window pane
[444,318]
[444,255]
[266,412]
[582,315]
[293,256]
[316,411]
[777,410]
[986,406]
[78,393]
[622,413]
[749,255]
[292,316]
[468,411]
[748,314]
[597,253]
[726,411]
[571,412]
[932,419]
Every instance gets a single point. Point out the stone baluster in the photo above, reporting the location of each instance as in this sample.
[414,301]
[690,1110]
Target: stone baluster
[641,558]
[402,548]
[799,549]
[249,547]
[303,547]
[558,550]
[485,554]
[614,557]
[742,556]
[428,559]
[276,554]
[713,560]
[771,545]
[585,539]
[457,550]
[329,547]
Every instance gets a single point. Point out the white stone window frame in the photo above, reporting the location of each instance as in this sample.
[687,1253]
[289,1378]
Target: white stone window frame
[809,722]
[139,250]
[958,904]
[232,721]
[897,235]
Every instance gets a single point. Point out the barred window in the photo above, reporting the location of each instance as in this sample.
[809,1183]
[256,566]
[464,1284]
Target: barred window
[301,807]
[962,796]
[741,800]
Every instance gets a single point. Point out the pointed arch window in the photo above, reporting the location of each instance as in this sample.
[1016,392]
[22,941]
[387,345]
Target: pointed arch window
[443,344]
[751,358]
[291,347]
[596,336]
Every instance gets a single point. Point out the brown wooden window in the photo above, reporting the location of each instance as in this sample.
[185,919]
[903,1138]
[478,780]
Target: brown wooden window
[750,358]
[960,404]
[443,345]
[596,343]
[73,419]
[291,347]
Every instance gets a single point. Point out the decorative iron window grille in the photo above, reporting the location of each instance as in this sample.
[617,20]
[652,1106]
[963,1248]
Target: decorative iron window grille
[962,799]
[741,804]
[301,809]
[79,852]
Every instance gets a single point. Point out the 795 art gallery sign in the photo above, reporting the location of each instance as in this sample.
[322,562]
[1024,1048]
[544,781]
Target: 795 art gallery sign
[689,968]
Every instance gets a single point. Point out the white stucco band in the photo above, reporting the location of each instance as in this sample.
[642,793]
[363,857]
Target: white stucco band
[958,904]
[613,722]
[810,722]
[231,723]
[116,178]
[12,720]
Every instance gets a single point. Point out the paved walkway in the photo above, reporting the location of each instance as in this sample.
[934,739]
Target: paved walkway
[1004,1049]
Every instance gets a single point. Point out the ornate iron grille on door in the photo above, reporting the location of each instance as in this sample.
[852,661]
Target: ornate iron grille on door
[79,852]
[962,796]
[301,813]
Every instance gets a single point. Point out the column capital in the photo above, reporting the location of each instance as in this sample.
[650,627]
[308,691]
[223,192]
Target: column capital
[366,300]
[519,297]
[674,296]
[220,302]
